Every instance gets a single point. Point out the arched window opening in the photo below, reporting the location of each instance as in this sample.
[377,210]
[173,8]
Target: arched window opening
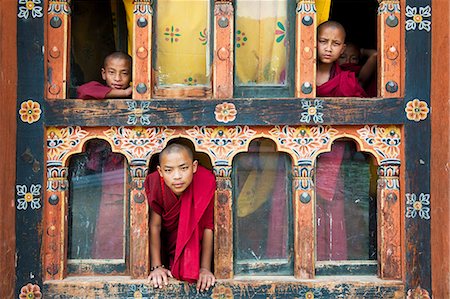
[346,220]
[263,233]
[97,211]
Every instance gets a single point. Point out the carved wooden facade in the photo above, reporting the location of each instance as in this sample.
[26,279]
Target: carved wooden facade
[52,128]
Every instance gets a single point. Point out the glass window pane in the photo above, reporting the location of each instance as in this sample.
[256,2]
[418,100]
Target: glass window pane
[182,43]
[261,42]
[97,204]
[346,204]
[263,241]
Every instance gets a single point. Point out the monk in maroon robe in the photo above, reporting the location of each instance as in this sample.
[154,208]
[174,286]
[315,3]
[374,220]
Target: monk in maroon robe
[181,199]
[331,80]
[116,72]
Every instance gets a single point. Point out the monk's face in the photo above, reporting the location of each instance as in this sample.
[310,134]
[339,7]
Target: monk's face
[350,55]
[117,73]
[330,44]
[177,169]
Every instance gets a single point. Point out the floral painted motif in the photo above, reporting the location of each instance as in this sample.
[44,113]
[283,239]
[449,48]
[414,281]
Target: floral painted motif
[416,110]
[418,293]
[30,291]
[385,141]
[225,112]
[418,206]
[60,141]
[138,113]
[203,36]
[59,7]
[221,142]
[27,6]
[25,197]
[418,19]
[280,32]
[303,141]
[30,111]
[139,143]
[222,292]
[389,6]
[312,110]
[172,34]
[241,39]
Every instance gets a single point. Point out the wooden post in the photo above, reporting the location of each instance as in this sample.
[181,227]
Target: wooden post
[304,218]
[142,49]
[223,50]
[139,239]
[223,230]
[305,54]
[55,227]
[389,42]
[388,218]
[57,49]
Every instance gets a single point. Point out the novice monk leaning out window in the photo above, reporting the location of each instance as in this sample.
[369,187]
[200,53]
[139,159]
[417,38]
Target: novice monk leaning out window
[331,80]
[116,72]
[181,200]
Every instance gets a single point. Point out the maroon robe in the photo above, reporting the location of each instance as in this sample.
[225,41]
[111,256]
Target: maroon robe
[371,87]
[341,84]
[184,220]
[93,90]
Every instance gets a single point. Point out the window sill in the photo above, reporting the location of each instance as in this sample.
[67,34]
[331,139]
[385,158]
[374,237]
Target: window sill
[240,286]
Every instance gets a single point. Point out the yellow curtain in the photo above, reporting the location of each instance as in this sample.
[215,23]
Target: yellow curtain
[260,42]
[323,10]
[259,185]
[128,4]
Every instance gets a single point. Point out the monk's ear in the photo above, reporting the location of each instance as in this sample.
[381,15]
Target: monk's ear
[194,166]
[159,171]
[103,73]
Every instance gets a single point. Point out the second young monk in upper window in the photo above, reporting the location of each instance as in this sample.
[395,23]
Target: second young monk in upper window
[116,72]
[181,199]
[331,80]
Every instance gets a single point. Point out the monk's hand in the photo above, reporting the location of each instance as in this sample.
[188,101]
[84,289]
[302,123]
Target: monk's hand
[159,277]
[205,280]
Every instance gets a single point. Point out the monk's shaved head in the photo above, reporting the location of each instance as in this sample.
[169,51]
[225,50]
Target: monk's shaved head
[118,55]
[331,24]
[175,148]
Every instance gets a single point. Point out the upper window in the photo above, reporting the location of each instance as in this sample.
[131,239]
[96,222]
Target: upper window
[182,42]
[264,47]
[97,216]
[262,215]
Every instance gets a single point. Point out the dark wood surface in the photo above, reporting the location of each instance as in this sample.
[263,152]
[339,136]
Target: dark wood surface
[8,81]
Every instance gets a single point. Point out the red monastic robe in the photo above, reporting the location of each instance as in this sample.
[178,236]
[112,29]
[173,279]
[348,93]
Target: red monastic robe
[184,220]
[93,90]
[371,86]
[341,84]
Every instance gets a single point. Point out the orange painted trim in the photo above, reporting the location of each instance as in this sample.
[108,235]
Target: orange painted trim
[223,50]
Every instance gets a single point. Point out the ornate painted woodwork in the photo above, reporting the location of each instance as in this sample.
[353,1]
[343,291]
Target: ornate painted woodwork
[394,130]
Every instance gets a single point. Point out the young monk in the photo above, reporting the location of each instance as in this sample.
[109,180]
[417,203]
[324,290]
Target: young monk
[116,72]
[331,80]
[351,60]
[180,195]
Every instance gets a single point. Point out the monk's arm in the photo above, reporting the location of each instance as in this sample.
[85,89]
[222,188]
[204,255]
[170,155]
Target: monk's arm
[370,67]
[205,278]
[120,93]
[159,275]
[207,249]
[155,239]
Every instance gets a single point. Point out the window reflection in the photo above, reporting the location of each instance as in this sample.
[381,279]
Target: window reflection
[346,204]
[263,241]
[97,203]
